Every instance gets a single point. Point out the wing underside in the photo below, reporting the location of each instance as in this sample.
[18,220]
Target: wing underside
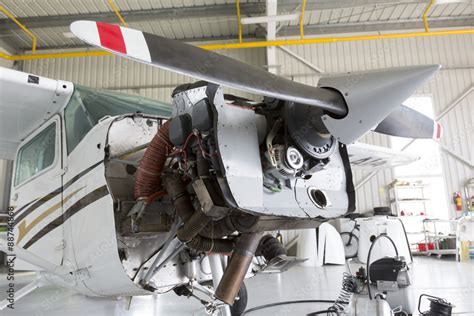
[370,157]
[26,102]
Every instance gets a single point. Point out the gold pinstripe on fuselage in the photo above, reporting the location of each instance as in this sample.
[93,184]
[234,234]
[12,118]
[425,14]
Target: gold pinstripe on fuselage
[24,229]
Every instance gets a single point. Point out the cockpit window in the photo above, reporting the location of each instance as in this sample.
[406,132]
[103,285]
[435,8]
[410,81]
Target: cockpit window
[36,155]
[87,106]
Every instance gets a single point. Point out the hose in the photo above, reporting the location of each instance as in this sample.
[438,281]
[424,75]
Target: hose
[223,246]
[349,286]
[181,200]
[148,179]
[270,247]
[253,309]
[370,252]
[193,226]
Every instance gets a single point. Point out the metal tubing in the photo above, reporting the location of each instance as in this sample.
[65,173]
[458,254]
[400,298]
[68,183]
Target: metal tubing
[170,238]
[334,39]
[305,41]
[28,256]
[28,32]
[303,8]
[112,5]
[239,263]
[217,273]
[425,14]
[301,59]
[171,256]
[239,23]
[25,290]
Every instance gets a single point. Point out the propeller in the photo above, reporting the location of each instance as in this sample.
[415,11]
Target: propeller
[406,122]
[349,104]
[202,64]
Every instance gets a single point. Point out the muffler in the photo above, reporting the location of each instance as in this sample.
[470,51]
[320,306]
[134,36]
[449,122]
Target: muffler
[237,268]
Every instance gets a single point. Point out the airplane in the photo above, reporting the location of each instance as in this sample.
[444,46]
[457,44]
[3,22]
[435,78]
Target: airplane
[118,195]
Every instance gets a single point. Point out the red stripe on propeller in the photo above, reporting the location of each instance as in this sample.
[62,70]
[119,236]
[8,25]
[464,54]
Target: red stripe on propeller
[111,37]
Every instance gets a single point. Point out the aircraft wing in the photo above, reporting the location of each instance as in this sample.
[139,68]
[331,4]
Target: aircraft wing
[365,156]
[26,101]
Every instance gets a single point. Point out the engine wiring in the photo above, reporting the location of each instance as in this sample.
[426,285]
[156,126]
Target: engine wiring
[183,151]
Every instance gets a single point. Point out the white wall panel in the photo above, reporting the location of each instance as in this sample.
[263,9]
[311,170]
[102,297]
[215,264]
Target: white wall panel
[454,53]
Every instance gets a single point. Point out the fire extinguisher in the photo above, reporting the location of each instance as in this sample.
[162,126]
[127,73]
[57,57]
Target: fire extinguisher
[458,201]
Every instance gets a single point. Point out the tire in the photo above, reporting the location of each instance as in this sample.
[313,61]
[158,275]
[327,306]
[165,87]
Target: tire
[350,250]
[383,210]
[241,304]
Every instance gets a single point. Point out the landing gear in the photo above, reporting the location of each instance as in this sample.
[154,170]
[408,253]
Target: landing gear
[240,304]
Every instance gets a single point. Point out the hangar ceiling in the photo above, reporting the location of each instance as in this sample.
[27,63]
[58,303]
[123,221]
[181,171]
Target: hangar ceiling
[204,20]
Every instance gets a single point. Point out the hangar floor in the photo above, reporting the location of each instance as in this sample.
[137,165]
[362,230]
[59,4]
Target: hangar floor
[438,277]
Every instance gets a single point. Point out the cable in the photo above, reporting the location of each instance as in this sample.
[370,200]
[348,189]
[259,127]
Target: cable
[349,286]
[406,238]
[368,258]
[327,312]
[144,262]
[438,306]
[253,309]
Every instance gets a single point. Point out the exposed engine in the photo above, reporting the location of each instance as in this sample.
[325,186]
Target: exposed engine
[216,176]
[272,158]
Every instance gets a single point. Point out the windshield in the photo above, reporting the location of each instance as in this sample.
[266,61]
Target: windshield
[87,106]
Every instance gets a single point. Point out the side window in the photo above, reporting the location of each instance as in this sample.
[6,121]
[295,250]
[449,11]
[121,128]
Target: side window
[36,155]
[78,124]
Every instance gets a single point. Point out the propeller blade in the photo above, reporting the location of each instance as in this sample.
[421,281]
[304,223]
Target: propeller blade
[202,64]
[406,122]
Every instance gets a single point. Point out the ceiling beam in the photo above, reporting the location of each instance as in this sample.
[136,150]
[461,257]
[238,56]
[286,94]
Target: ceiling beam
[137,16]
[201,40]
[247,9]
[378,26]
[323,29]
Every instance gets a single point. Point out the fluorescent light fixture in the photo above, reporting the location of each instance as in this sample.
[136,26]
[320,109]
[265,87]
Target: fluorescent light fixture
[271,18]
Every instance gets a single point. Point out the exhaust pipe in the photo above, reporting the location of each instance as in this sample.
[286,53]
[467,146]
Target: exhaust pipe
[238,266]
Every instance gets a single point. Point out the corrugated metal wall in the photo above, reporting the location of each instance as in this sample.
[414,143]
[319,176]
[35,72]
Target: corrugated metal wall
[126,75]
[454,53]
[5,63]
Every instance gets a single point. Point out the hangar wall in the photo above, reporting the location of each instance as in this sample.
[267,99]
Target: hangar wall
[453,52]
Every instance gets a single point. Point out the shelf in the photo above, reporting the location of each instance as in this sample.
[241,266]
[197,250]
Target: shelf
[409,200]
[440,236]
[409,186]
[432,220]
[443,252]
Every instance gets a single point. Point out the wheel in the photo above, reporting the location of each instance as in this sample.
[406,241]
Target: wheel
[350,248]
[240,304]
